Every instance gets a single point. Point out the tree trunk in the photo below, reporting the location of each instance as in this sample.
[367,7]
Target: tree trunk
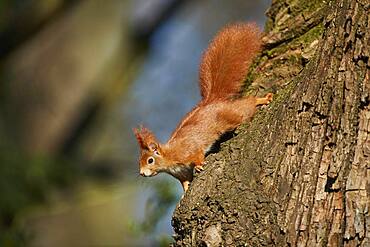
[299,173]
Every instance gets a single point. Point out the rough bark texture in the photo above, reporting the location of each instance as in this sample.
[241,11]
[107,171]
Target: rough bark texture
[299,174]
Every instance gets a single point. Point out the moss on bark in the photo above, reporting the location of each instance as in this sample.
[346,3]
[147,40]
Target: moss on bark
[297,174]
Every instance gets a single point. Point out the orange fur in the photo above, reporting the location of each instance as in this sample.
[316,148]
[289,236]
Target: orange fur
[144,137]
[226,61]
[224,66]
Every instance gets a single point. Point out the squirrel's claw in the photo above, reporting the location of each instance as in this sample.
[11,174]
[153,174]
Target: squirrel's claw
[199,168]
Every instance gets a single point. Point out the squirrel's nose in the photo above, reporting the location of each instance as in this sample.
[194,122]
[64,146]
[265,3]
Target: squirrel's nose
[142,173]
[147,173]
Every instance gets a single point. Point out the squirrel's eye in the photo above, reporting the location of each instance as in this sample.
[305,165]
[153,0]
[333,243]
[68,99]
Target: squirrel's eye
[150,160]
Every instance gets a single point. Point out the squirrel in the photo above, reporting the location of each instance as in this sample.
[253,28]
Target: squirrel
[222,71]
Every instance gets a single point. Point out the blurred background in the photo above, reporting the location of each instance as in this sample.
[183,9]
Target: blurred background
[75,77]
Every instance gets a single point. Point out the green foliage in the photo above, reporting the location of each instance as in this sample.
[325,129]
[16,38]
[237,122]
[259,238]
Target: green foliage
[157,205]
[25,181]
[164,240]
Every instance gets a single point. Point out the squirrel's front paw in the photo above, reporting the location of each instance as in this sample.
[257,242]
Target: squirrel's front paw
[199,168]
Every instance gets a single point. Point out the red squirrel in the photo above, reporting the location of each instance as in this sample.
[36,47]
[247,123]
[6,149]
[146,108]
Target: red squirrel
[222,71]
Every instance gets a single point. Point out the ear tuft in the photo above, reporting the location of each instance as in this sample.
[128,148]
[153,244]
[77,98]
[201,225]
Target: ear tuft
[138,137]
[145,138]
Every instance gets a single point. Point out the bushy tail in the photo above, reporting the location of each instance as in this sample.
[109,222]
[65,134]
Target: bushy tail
[225,63]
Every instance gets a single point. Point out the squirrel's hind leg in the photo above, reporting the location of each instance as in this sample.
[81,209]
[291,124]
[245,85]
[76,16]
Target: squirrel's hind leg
[265,100]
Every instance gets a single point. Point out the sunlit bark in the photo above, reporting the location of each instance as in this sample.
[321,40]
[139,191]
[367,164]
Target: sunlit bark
[298,175]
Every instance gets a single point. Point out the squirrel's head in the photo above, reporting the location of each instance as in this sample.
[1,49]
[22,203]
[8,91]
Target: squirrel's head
[151,159]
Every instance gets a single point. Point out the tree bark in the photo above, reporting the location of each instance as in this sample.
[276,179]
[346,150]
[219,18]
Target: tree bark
[299,173]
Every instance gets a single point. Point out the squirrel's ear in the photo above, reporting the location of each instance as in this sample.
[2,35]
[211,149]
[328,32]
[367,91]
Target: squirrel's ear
[153,146]
[139,138]
[146,139]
